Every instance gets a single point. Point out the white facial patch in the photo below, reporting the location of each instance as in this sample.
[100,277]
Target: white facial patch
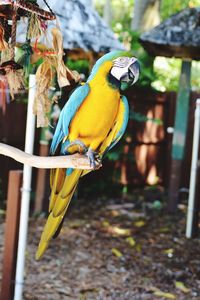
[121,66]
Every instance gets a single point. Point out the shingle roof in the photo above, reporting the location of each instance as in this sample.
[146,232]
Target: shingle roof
[178,36]
[81,26]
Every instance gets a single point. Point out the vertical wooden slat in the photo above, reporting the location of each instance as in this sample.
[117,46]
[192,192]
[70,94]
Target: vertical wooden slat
[41,179]
[11,234]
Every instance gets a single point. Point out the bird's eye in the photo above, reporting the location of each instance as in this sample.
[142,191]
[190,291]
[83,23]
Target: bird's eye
[122,59]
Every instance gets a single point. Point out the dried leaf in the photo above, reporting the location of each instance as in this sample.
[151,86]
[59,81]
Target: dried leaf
[164,295]
[140,223]
[42,103]
[76,223]
[35,28]
[116,252]
[15,79]
[181,286]
[131,241]
[105,223]
[138,248]
[169,251]
[115,213]
[120,231]
[63,73]
[164,230]
[115,230]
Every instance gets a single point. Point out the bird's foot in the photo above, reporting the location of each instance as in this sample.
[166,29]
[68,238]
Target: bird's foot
[94,158]
[81,146]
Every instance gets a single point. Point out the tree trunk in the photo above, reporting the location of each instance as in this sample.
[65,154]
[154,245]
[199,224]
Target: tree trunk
[146,15]
[107,12]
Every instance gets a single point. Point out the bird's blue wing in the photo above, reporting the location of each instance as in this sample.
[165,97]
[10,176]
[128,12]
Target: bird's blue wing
[119,127]
[67,114]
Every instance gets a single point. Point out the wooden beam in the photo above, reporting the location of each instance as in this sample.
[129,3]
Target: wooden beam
[11,235]
[75,161]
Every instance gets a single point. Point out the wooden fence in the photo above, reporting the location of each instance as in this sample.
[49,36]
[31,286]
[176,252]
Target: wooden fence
[145,158]
[12,132]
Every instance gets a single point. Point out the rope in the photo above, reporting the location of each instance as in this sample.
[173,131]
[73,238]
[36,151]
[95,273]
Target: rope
[14,29]
[43,53]
[30,7]
[35,9]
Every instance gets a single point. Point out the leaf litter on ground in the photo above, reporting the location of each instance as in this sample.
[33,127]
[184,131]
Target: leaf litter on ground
[89,261]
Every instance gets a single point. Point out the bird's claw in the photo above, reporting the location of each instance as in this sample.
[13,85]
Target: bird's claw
[94,158]
[81,145]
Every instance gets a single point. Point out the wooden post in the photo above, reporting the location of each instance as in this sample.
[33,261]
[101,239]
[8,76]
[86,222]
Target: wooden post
[179,138]
[11,235]
[42,173]
[41,179]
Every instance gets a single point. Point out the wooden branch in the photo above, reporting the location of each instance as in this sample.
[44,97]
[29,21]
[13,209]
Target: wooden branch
[75,161]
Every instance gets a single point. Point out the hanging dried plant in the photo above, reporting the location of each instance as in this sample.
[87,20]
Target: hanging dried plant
[53,62]
[14,76]
[6,54]
[15,80]
[42,104]
[36,27]
[4,96]
[64,75]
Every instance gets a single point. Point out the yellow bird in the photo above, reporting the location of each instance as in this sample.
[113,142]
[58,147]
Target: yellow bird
[91,122]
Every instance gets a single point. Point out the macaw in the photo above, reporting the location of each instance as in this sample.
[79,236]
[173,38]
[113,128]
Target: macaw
[92,121]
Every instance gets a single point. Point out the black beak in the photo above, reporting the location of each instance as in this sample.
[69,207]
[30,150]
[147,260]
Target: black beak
[133,72]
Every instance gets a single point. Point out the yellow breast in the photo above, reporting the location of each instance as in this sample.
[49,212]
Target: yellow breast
[96,116]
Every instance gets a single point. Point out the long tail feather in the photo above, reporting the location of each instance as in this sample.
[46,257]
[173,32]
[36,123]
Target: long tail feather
[57,178]
[65,194]
[63,188]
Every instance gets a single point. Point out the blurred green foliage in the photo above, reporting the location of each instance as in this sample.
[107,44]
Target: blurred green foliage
[168,72]
[81,66]
[162,73]
[122,11]
[147,74]
[170,7]
[142,118]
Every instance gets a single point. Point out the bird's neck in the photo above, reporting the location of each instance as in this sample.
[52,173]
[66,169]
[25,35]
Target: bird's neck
[104,77]
[113,82]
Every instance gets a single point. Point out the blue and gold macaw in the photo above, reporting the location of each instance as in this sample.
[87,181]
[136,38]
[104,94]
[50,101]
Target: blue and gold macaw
[91,122]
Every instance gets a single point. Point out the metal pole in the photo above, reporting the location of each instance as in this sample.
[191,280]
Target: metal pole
[193,172]
[26,188]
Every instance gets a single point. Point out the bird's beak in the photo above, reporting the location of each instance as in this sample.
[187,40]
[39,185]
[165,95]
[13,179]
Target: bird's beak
[132,75]
[133,72]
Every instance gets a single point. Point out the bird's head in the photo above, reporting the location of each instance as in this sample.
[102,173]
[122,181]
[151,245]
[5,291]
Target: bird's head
[120,68]
[125,70]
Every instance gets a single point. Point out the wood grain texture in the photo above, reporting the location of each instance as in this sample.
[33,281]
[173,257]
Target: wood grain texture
[11,234]
[75,161]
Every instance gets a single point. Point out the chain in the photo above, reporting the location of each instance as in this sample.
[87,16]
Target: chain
[49,7]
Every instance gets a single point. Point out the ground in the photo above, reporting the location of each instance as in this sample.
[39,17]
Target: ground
[114,249]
